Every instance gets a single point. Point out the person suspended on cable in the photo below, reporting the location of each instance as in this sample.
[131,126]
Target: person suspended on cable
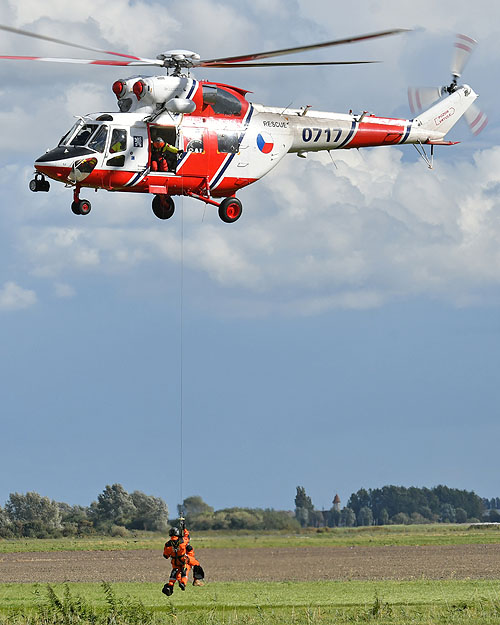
[182,560]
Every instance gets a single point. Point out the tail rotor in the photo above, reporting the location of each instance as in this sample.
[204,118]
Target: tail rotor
[422,98]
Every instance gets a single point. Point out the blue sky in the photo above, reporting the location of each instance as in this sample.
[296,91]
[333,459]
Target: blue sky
[344,333]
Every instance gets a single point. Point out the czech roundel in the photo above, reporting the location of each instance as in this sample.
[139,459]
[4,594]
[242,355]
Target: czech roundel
[265,142]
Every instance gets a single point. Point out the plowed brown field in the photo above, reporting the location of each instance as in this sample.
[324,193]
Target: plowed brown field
[284,564]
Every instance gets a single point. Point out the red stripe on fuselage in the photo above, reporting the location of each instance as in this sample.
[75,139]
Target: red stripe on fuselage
[372,134]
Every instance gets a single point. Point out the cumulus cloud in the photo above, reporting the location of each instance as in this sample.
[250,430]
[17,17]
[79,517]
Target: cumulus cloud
[14,297]
[314,236]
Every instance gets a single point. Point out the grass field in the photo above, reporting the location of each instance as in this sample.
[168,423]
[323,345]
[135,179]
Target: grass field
[416,602]
[423,601]
[438,534]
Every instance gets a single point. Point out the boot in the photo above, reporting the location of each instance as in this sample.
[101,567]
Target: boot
[182,585]
[167,590]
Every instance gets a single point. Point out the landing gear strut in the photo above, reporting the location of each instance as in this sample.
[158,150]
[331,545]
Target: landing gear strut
[78,206]
[39,183]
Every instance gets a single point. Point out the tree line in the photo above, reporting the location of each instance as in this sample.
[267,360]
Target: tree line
[115,512]
[399,505]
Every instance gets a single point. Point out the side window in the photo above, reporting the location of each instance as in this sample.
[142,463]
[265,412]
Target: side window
[227,103]
[222,102]
[118,141]
[116,161]
[98,143]
[228,142]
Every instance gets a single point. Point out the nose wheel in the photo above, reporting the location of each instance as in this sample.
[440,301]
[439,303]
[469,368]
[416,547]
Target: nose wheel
[78,206]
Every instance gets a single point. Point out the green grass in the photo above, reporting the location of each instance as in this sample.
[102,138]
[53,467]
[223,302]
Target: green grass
[475,602]
[438,534]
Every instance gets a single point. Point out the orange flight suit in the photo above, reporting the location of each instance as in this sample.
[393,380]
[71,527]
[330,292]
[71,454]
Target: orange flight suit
[182,559]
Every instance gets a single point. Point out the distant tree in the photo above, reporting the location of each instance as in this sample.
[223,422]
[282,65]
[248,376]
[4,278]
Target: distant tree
[359,500]
[303,507]
[365,516]
[460,515]
[401,518]
[494,516]
[5,524]
[151,513]
[448,513]
[113,506]
[302,500]
[317,519]
[33,514]
[302,516]
[193,507]
[333,519]
[417,519]
[383,517]
[347,517]
[278,520]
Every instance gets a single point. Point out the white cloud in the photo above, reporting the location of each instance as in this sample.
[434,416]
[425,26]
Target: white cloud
[64,291]
[14,297]
[312,237]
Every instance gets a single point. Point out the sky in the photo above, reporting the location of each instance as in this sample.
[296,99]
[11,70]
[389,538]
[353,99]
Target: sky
[343,334]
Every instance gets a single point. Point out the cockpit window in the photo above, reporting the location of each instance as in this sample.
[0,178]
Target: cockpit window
[98,142]
[65,139]
[118,141]
[83,135]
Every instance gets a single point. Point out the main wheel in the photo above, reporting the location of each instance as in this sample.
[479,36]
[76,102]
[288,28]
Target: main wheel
[230,210]
[34,185]
[85,207]
[163,206]
[75,207]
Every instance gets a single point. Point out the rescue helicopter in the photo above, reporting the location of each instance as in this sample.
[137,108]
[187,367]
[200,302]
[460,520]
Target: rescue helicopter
[174,135]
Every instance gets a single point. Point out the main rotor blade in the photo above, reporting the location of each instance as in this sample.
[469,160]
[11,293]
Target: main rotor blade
[27,33]
[278,64]
[264,55]
[140,62]
[464,46]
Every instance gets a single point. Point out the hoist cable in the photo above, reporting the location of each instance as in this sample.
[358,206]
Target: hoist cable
[182,359]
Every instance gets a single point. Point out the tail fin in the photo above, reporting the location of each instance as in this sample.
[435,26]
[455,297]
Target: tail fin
[441,117]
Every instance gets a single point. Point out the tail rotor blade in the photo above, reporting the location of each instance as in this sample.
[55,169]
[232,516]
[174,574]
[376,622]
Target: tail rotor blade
[476,119]
[464,46]
[421,98]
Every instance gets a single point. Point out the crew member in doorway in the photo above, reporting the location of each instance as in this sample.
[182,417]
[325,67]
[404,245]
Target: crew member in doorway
[159,154]
[181,554]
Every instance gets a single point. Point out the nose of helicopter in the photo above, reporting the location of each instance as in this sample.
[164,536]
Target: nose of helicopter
[58,162]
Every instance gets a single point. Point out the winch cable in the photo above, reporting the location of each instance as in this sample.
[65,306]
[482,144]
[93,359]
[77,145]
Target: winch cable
[181,358]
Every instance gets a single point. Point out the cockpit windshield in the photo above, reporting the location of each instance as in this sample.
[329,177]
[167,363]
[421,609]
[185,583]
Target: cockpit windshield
[92,135]
[82,137]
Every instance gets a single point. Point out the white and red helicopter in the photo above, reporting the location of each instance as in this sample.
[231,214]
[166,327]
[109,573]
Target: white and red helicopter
[223,141]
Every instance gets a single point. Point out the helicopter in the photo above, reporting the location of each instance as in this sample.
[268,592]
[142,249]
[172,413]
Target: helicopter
[174,135]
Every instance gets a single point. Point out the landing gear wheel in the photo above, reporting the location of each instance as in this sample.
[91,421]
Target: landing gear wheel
[163,206]
[85,207]
[81,207]
[230,210]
